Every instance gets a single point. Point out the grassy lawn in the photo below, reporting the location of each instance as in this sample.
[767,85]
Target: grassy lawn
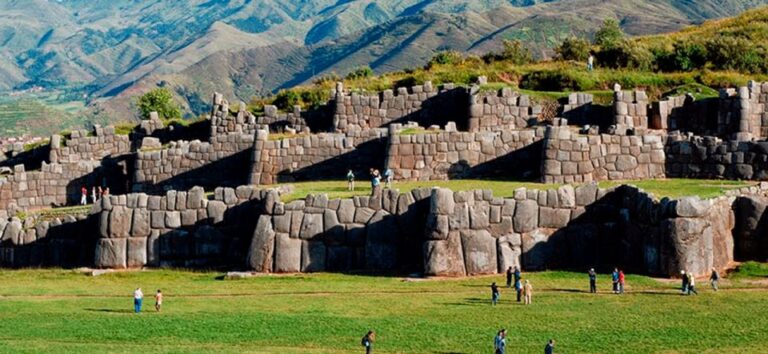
[63,311]
[673,188]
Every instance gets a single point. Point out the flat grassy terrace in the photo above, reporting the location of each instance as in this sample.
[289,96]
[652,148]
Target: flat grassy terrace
[672,188]
[64,311]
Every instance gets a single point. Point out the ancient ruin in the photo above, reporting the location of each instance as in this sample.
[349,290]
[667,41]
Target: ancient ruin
[201,196]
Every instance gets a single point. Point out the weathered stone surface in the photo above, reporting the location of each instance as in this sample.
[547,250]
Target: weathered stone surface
[312,256]
[311,226]
[566,196]
[479,217]
[12,232]
[480,255]
[442,201]
[110,253]
[554,217]
[216,211]
[537,252]
[346,211]
[586,194]
[362,215]
[287,254]
[751,233]
[119,222]
[188,217]
[137,252]
[381,242]
[526,217]
[262,245]
[692,207]
[140,223]
[444,258]
[195,197]
[509,251]
[172,219]
[153,248]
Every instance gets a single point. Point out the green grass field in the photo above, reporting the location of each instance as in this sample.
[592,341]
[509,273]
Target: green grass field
[672,188]
[65,311]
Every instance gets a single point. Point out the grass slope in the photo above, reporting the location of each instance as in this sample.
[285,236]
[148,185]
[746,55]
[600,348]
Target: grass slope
[61,311]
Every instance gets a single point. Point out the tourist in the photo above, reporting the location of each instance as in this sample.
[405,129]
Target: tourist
[590,62]
[615,280]
[684,285]
[527,292]
[350,180]
[713,278]
[500,342]
[83,196]
[509,277]
[158,300]
[621,281]
[367,341]
[550,348]
[375,183]
[494,293]
[592,281]
[138,296]
[388,175]
[94,196]
[518,284]
[692,284]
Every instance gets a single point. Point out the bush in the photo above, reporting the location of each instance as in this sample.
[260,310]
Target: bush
[609,35]
[158,100]
[312,99]
[449,57]
[286,99]
[514,51]
[735,53]
[360,73]
[685,56]
[627,54]
[573,49]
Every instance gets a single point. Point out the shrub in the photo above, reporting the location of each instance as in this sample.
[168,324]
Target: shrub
[573,49]
[158,100]
[286,99]
[627,54]
[735,53]
[685,56]
[514,51]
[360,73]
[312,99]
[609,35]
[449,57]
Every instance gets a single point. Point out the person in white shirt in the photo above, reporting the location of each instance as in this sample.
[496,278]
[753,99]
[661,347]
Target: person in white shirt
[138,296]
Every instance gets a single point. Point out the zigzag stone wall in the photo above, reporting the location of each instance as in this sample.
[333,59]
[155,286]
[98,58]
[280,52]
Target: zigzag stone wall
[500,110]
[83,147]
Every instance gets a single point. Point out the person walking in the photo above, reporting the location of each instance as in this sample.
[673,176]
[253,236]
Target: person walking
[350,180]
[615,280]
[94,196]
[692,284]
[138,296]
[388,175]
[158,300]
[592,281]
[500,342]
[527,292]
[83,196]
[375,182]
[494,293]
[368,340]
[509,277]
[518,284]
[621,281]
[590,62]
[714,278]
[550,348]
[684,284]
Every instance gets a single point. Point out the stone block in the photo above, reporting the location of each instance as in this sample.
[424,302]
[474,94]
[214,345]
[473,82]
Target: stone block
[110,253]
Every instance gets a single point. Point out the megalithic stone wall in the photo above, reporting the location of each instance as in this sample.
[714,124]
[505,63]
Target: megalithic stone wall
[82,146]
[500,110]
[710,157]
[630,110]
[442,155]
[572,157]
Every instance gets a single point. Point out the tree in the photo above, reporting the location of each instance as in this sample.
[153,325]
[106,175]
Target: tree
[573,49]
[159,100]
[451,57]
[610,35]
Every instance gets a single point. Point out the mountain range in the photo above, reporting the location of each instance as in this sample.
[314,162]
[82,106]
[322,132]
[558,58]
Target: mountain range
[111,50]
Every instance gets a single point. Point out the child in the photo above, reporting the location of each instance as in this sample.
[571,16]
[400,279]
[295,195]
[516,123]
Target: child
[350,180]
[158,300]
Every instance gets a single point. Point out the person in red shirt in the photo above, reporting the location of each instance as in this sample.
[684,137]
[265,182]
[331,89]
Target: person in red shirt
[621,281]
[83,196]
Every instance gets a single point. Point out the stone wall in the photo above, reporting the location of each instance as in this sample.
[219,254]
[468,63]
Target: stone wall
[749,105]
[316,156]
[424,104]
[82,146]
[222,122]
[500,110]
[317,234]
[221,162]
[710,157]
[179,229]
[442,155]
[630,110]
[572,157]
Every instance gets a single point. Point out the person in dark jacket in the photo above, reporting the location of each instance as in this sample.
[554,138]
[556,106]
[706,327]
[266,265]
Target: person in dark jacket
[714,278]
[615,280]
[684,284]
[550,348]
[494,293]
[518,284]
[509,277]
[367,341]
[592,281]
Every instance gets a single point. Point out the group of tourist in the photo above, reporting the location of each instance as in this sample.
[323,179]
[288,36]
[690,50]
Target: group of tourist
[96,194]
[376,178]
[688,285]
[138,298]
[500,343]
[524,289]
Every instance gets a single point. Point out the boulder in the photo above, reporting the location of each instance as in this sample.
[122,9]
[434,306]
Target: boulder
[110,253]
[480,255]
[362,215]
[537,252]
[287,254]
[195,197]
[509,251]
[120,222]
[346,211]
[262,245]
[586,194]
[692,207]
[442,201]
[444,257]
[479,217]
[13,232]
[140,223]
[526,217]
[137,252]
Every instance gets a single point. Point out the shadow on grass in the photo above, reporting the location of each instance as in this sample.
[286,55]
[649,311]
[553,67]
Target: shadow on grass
[111,310]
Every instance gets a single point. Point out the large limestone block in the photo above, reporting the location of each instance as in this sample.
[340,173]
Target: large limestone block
[554,218]
[445,257]
[566,196]
[526,217]
[479,216]
[216,210]
[509,251]
[442,201]
[689,245]
[312,256]
[137,252]
[381,242]
[104,223]
[363,215]
[119,222]
[692,207]
[287,254]
[262,245]
[311,226]
[172,219]
[586,194]
[195,197]
[153,248]
[480,254]
[13,232]
[110,253]
[537,252]
[346,211]
[751,233]
[140,223]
